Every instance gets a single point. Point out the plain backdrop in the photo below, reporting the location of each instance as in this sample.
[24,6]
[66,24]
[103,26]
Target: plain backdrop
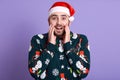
[99,20]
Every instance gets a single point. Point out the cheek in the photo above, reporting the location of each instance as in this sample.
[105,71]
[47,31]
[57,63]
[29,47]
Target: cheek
[66,22]
[53,22]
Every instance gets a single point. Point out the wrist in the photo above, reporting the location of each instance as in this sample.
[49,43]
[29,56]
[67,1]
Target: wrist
[67,39]
[52,42]
[67,46]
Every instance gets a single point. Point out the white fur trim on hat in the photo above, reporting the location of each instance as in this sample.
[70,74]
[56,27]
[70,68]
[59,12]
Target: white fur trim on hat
[71,18]
[59,9]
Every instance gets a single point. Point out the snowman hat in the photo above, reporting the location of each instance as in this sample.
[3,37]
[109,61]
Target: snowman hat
[62,7]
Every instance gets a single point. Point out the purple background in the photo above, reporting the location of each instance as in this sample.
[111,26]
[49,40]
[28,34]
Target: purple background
[98,19]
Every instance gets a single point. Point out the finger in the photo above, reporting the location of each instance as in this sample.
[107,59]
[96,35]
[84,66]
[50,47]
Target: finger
[66,27]
[50,27]
[67,30]
[51,30]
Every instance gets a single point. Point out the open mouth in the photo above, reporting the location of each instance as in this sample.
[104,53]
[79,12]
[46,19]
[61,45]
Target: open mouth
[59,28]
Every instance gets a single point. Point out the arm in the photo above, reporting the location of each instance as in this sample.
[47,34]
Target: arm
[39,58]
[79,57]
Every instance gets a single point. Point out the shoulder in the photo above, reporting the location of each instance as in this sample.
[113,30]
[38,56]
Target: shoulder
[83,36]
[83,39]
[40,36]
[77,36]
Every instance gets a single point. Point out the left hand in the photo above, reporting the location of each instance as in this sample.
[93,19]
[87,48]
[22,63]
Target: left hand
[67,34]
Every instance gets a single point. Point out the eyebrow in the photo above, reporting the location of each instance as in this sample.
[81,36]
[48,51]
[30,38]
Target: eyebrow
[57,15]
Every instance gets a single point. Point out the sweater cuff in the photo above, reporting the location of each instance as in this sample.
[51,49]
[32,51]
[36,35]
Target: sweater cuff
[51,47]
[67,46]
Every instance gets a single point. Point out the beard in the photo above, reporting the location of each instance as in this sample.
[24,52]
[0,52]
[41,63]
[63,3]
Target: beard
[59,35]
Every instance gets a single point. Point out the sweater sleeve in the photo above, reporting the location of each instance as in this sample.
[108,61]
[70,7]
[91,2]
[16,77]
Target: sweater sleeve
[79,57]
[39,58]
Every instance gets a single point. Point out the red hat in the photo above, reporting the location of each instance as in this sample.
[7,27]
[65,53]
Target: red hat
[62,7]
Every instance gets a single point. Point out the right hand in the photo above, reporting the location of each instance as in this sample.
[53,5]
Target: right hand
[51,36]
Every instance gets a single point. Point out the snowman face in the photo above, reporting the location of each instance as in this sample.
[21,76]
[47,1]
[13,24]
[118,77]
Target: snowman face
[79,65]
[39,65]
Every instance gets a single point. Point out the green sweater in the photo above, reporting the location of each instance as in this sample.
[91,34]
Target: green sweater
[69,61]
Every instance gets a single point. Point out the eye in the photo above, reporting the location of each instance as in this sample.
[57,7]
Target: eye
[64,18]
[53,18]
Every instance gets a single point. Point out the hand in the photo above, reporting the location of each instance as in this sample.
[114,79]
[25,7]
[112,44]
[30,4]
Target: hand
[67,34]
[51,36]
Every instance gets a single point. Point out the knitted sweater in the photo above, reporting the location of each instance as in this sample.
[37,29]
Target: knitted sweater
[69,61]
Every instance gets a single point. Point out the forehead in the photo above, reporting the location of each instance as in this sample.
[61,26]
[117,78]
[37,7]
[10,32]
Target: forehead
[59,14]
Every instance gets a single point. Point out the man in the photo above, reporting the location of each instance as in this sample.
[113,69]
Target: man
[59,54]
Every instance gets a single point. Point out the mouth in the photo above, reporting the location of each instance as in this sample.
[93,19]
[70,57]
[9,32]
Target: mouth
[59,28]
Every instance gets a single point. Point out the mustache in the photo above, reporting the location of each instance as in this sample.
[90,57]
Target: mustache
[59,25]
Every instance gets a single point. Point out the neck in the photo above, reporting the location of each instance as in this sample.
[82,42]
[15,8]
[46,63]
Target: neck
[60,37]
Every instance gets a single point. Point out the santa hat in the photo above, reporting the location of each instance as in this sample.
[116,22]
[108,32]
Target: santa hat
[62,7]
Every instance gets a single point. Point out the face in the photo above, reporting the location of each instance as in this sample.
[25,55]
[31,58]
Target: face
[59,20]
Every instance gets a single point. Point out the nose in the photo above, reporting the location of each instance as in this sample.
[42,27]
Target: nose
[58,21]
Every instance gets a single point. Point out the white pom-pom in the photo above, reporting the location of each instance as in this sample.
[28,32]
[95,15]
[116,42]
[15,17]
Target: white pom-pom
[71,18]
